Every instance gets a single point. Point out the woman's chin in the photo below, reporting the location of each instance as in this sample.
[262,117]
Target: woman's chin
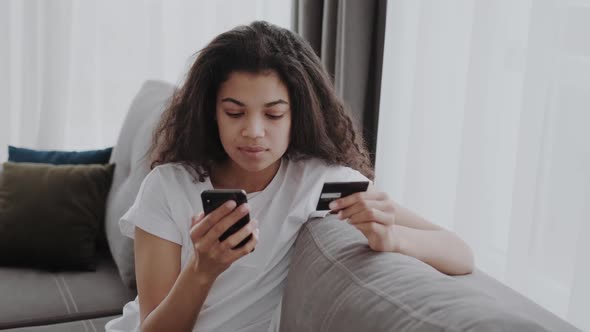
[254,166]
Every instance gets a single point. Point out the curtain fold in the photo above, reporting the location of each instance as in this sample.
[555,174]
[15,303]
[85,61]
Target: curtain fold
[348,36]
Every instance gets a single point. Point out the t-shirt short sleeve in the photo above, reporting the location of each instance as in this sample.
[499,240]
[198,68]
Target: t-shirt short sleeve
[151,210]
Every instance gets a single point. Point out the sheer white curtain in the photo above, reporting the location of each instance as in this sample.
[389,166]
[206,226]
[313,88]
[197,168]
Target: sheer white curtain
[68,69]
[484,129]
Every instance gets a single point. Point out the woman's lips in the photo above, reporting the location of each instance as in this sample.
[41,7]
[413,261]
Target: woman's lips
[252,148]
[252,152]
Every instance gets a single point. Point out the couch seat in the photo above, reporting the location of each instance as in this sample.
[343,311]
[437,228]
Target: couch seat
[34,297]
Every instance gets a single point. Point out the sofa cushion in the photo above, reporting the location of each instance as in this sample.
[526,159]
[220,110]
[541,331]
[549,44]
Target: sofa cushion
[16,154]
[21,155]
[336,283]
[33,297]
[132,166]
[86,325]
[50,215]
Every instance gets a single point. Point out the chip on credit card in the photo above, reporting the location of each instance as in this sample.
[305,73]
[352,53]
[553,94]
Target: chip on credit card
[335,190]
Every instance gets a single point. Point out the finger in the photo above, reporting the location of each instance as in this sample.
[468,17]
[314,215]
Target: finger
[236,238]
[379,195]
[229,256]
[247,248]
[364,205]
[212,236]
[349,200]
[196,219]
[370,215]
[211,219]
[370,229]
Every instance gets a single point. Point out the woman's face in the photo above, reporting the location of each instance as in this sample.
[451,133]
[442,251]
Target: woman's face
[254,119]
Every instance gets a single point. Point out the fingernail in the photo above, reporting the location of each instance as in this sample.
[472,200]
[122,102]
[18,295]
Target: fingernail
[333,205]
[339,215]
[230,204]
[244,207]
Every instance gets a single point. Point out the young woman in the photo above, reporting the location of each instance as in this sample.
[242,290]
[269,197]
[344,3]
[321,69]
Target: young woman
[257,112]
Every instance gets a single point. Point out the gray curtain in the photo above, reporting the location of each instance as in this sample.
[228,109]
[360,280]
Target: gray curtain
[348,36]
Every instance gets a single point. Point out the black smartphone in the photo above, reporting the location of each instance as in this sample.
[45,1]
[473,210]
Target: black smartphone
[334,190]
[214,198]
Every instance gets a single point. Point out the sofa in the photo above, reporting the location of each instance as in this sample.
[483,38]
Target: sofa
[335,282]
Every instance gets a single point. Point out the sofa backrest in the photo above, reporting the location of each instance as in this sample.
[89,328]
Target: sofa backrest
[132,165]
[337,283]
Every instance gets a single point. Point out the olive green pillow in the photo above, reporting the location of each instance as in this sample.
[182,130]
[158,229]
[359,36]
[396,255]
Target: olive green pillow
[50,215]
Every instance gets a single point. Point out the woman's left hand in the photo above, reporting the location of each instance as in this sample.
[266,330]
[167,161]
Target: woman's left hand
[373,214]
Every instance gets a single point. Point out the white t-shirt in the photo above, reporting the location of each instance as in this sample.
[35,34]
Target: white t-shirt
[247,296]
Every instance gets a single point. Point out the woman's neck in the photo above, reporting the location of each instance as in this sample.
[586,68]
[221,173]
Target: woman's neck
[231,176]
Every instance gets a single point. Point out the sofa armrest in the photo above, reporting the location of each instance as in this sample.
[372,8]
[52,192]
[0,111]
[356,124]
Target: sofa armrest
[337,283]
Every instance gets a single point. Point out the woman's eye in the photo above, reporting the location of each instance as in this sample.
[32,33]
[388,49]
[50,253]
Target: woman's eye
[274,117]
[234,115]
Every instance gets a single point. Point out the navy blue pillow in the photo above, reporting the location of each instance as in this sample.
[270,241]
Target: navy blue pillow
[20,155]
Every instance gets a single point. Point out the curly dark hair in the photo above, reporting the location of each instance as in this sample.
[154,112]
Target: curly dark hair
[321,125]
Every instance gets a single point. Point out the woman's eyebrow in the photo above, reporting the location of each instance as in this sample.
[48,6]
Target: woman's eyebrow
[239,103]
[231,100]
[276,102]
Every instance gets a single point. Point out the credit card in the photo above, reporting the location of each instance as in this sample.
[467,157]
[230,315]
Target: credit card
[335,190]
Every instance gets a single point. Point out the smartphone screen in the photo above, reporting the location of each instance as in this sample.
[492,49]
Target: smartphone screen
[214,198]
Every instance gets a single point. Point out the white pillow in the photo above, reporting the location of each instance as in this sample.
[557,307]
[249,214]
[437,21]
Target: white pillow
[132,165]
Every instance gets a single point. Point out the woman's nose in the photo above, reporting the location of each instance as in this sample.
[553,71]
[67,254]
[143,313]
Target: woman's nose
[254,128]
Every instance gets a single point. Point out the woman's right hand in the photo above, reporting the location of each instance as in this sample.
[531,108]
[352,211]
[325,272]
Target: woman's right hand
[212,257]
